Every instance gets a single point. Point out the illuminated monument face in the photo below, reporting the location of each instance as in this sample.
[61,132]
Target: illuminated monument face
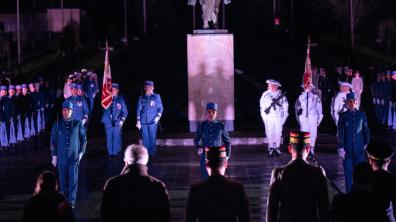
[210,77]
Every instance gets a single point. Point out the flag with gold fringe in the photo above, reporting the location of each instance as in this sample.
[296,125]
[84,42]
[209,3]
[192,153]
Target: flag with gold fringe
[307,78]
[106,86]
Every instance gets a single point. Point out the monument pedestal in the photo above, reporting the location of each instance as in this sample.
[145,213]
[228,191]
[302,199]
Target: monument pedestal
[210,76]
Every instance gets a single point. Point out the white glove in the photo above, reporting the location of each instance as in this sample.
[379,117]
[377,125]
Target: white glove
[42,109]
[156,120]
[54,161]
[200,151]
[83,121]
[121,123]
[138,125]
[52,105]
[341,153]
[80,155]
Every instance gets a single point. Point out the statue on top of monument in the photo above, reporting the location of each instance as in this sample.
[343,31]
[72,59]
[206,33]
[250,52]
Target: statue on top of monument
[210,9]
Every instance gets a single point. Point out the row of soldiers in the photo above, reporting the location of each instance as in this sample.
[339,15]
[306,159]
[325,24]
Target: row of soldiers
[68,135]
[86,82]
[24,111]
[384,98]
[326,86]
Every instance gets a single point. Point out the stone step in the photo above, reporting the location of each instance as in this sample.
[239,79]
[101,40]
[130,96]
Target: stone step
[189,141]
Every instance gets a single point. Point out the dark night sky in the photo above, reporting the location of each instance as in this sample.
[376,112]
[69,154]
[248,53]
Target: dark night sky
[175,15]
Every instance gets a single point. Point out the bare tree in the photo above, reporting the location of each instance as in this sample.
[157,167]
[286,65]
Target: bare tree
[387,33]
[349,11]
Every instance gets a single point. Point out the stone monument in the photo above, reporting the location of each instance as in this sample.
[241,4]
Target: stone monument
[210,11]
[210,67]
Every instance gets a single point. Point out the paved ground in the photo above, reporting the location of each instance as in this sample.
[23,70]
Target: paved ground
[150,58]
[177,166]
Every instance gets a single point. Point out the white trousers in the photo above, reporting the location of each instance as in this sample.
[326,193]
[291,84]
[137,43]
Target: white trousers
[358,97]
[273,130]
[309,124]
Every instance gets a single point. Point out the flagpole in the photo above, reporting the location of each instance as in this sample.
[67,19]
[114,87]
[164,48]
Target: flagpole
[144,17]
[125,23]
[18,36]
[307,77]
[106,99]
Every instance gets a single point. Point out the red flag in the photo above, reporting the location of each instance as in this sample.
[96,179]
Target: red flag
[307,78]
[106,86]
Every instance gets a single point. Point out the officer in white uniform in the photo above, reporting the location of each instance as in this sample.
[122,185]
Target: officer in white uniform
[338,104]
[274,112]
[357,87]
[308,109]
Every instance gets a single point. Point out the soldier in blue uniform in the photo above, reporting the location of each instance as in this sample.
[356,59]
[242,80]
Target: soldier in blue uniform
[113,118]
[382,85]
[68,142]
[211,133]
[383,183]
[80,91]
[13,116]
[6,112]
[376,95]
[49,96]
[149,111]
[80,105]
[26,111]
[91,89]
[353,136]
[42,104]
[18,111]
[18,90]
[387,90]
[394,101]
[35,122]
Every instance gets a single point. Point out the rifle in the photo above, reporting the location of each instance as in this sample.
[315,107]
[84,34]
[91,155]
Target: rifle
[316,162]
[275,102]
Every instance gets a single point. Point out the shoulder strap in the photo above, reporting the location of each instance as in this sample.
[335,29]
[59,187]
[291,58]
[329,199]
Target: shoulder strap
[279,174]
[279,177]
